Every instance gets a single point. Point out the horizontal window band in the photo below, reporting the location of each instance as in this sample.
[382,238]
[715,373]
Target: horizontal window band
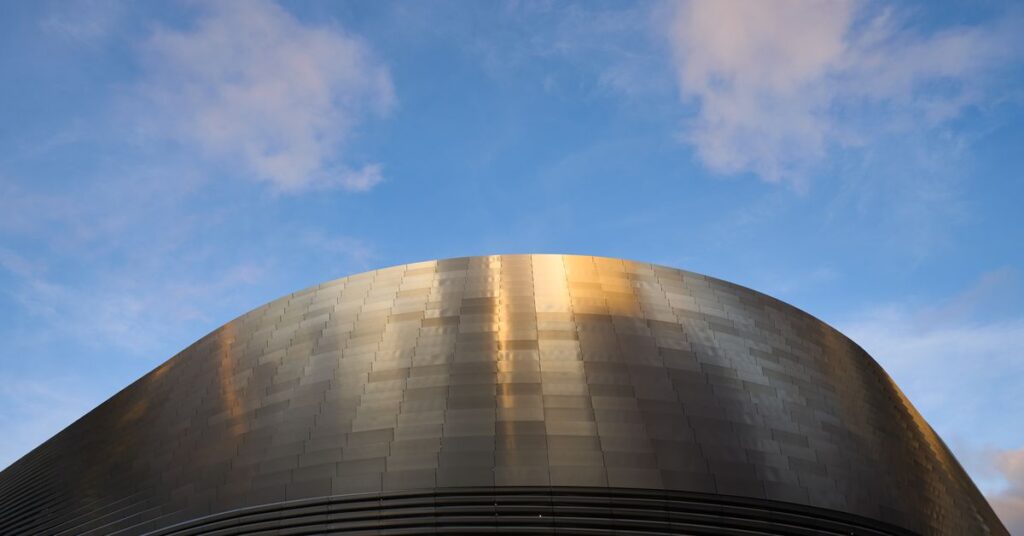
[576,510]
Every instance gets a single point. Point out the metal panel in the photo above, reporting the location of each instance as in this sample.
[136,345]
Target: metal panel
[545,372]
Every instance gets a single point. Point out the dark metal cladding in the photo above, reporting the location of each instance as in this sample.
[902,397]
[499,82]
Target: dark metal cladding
[521,392]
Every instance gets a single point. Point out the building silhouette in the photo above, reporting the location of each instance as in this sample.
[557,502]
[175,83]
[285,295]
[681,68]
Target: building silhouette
[529,393]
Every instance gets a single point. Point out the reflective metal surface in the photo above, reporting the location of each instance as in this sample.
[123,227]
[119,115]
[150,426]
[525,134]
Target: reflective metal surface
[518,372]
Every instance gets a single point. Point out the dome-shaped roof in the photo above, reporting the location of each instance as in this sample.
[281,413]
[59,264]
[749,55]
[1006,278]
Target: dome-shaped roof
[522,391]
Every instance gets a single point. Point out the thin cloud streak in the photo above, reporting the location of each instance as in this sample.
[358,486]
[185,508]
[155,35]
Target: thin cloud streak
[252,87]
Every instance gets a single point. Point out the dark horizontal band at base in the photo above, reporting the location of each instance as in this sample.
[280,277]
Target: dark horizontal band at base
[533,510]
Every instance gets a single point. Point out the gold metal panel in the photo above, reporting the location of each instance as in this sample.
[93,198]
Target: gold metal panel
[525,370]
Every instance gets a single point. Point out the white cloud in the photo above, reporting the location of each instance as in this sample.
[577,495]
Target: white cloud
[778,84]
[253,87]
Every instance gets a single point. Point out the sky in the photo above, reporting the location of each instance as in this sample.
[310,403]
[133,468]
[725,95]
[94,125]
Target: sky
[165,167]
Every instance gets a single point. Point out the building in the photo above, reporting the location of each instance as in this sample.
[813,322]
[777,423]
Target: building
[521,392]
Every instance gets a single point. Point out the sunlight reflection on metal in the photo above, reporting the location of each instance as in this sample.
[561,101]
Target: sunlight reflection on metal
[546,376]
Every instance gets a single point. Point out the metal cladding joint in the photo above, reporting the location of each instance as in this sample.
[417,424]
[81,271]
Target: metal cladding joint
[527,393]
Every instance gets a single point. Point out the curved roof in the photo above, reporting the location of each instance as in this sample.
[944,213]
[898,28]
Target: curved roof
[529,376]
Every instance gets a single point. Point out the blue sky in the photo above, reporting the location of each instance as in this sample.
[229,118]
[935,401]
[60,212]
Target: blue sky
[165,167]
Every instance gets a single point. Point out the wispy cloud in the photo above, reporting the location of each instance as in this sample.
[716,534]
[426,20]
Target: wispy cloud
[791,285]
[16,264]
[779,84]
[126,270]
[83,21]
[961,366]
[1009,502]
[959,363]
[149,263]
[337,250]
[33,410]
[615,43]
[251,86]
[954,372]
[120,312]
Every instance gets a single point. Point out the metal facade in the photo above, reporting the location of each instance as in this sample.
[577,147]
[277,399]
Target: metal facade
[537,392]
